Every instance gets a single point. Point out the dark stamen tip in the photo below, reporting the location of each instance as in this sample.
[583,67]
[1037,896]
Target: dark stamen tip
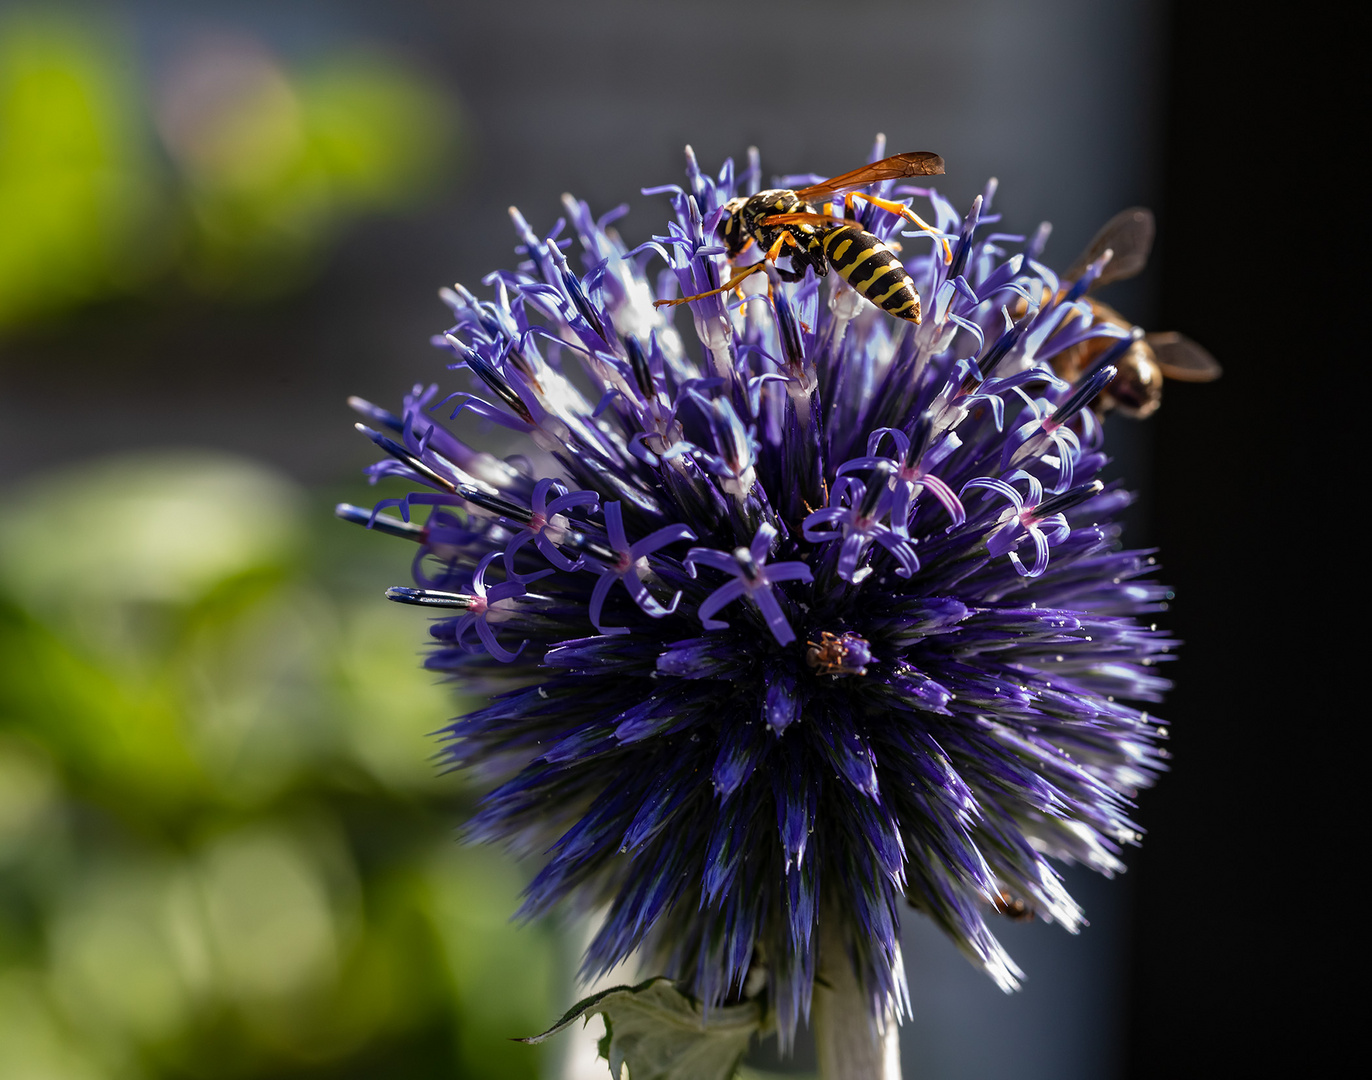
[376,412]
[406,458]
[1056,504]
[402,594]
[382,523]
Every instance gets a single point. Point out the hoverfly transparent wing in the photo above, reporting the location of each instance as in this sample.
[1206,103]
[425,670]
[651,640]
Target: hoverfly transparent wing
[1129,234]
[1181,358]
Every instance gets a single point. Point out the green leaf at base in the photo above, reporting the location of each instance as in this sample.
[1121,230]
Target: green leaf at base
[664,1034]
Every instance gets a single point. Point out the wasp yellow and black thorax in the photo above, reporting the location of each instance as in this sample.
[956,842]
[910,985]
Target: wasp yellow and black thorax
[860,258]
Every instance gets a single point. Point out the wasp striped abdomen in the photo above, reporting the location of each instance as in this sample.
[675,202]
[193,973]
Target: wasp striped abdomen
[872,268]
[785,222]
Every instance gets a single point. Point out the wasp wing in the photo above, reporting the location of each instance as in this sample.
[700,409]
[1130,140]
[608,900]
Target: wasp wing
[1181,358]
[1129,234]
[807,219]
[896,167]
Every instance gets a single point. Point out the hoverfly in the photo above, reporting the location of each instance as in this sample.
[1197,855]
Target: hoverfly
[779,219]
[1137,390]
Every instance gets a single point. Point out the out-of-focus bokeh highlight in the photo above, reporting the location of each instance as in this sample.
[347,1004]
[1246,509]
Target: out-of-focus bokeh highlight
[223,849]
[226,173]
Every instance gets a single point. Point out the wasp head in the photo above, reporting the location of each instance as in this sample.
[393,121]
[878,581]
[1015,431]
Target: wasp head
[731,228]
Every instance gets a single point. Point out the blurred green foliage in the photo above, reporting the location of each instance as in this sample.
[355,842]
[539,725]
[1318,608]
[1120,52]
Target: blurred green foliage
[77,190]
[224,849]
[225,171]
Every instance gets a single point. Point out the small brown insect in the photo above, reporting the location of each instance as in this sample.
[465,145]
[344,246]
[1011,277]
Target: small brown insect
[1137,390]
[1013,907]
[848,654]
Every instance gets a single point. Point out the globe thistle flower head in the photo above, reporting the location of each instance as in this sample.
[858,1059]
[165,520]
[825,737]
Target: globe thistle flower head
[805,614]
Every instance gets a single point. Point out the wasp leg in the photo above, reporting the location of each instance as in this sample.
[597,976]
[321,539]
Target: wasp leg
[730,284]
[908,214]
[774,252]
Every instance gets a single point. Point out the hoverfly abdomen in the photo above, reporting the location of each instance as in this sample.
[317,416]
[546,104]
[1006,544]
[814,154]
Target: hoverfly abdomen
[1136,391]
[873,269]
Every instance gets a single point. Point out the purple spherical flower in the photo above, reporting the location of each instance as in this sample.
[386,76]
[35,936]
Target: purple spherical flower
[921,690]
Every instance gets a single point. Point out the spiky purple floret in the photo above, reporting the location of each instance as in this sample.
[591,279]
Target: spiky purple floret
[753,578]
[900,706]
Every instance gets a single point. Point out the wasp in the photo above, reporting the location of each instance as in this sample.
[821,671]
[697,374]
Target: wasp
[782,221]
[1137,390]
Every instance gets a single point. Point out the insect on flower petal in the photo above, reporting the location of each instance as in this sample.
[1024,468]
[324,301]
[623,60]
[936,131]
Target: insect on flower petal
[816,605]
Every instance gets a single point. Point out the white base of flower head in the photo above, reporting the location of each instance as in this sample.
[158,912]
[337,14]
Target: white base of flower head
[579,1053]
[850,1043]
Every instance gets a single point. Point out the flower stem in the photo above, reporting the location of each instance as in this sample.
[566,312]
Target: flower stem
[849,1043]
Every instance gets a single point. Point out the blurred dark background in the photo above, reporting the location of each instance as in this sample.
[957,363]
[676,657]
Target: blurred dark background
[223,852]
